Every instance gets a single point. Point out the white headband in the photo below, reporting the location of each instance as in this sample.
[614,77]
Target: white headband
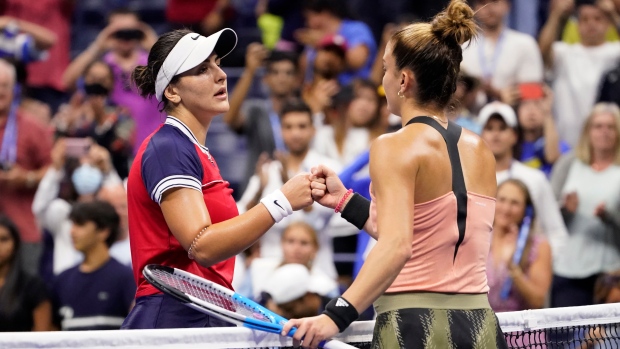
[189,52]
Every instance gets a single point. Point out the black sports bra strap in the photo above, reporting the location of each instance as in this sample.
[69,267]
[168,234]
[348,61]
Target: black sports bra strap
[451,136]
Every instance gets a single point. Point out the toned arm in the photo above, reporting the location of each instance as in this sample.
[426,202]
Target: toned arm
[393,177]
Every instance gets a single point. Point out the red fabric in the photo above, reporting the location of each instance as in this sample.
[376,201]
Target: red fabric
[33,153]
[188,11]
[54,15]
[152,242]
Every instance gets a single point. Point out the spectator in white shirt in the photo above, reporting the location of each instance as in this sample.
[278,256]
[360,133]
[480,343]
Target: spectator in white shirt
[353,111]
[588,185]
[499,122]
[577,69]
[501,57]
[297,133]
[52,205]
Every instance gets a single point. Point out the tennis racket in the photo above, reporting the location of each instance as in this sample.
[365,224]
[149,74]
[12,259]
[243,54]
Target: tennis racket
[524,233]
[213,299]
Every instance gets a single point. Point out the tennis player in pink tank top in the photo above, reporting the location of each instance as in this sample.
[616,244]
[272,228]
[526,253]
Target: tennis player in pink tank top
[432,207]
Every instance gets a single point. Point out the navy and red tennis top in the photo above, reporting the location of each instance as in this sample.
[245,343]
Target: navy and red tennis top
[172,157]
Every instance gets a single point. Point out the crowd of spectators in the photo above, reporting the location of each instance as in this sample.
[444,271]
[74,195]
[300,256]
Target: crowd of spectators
[540,84]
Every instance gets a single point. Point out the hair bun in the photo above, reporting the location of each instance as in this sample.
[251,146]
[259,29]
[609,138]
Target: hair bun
[455,23]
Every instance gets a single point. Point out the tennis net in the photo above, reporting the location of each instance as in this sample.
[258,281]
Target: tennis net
[596,326]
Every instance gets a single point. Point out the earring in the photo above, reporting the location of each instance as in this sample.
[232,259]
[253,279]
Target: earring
[400,94]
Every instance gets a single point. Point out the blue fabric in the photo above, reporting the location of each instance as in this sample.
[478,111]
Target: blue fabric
[169,154]
[469,124]
[107,291]
[533,155]
[355,33]
[360,185]
[523,16]
[163,311]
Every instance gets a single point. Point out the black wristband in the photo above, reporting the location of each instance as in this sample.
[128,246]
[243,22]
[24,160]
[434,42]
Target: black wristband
[357,211]
[341,312]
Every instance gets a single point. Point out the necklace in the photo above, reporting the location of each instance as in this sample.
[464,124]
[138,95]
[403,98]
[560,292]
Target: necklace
[438,119]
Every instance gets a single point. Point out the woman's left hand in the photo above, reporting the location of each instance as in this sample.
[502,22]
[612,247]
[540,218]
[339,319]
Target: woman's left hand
[312,330]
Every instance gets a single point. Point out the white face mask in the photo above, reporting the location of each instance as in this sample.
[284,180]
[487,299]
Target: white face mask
[87,179]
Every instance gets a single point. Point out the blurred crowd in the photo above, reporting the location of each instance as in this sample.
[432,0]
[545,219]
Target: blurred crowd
[540,84]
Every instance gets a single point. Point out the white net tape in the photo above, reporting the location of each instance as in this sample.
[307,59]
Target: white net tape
[234,337]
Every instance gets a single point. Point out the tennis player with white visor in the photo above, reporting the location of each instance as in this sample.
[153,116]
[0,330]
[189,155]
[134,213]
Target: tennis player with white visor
[181,211]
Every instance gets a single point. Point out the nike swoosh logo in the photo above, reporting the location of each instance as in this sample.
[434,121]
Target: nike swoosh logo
[196,37]
[277,204]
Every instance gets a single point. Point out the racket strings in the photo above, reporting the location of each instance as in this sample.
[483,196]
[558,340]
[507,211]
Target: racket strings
[208,294]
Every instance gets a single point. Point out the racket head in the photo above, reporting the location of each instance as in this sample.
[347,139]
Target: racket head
[210,297]
[176,282]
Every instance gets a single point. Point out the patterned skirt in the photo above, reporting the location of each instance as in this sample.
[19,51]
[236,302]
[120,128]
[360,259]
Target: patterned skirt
[444,321]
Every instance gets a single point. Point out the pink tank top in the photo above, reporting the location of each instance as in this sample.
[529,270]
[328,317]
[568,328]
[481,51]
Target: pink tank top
[432,266]
[451,234]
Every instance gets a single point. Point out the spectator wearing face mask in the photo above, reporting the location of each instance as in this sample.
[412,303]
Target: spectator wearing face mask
[91,114]
[70,180]
[123,45]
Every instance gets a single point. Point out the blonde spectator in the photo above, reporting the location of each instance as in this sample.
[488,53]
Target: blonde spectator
[299,245]
[531,276]
[588,186]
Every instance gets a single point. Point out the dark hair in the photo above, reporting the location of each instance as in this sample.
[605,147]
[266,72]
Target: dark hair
[13,285]
[295,105]
[99,61]
[433,52]
[281,56]
[101,213]
[368,84]
[9,225]
[337,8]
[145,76]
[343,98]
[122,11]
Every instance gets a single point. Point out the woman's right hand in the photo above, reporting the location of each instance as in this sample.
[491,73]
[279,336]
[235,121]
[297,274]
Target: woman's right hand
[327,188]
[297,191]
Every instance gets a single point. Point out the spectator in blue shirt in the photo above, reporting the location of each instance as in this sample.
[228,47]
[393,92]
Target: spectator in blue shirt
[98,293]
[539,143]
[324,17]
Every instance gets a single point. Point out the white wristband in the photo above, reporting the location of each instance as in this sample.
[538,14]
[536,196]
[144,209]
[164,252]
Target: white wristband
[278,206]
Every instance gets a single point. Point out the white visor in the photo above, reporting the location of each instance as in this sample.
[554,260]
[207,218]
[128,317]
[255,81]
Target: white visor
[189,52]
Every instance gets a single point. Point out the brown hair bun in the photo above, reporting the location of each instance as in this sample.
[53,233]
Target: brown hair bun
[456,23]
